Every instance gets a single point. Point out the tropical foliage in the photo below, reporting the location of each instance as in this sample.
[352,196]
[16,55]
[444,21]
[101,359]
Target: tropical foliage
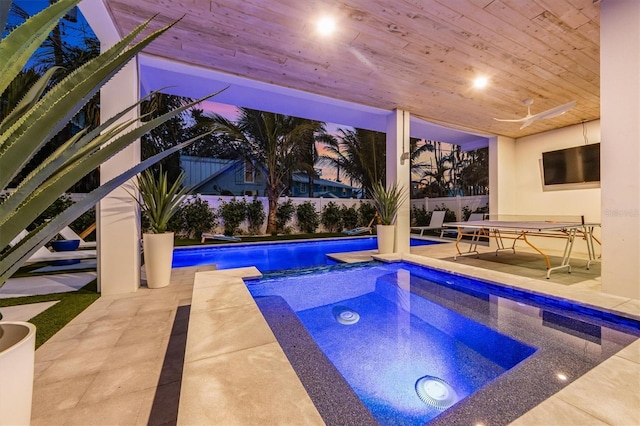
[232,213]
[276,144]
[255,216]
[308,217]
[359,155]
[159,201]
[331,217]
[387,201]
[452,172]
[41,114]
[284,213]
[195,217]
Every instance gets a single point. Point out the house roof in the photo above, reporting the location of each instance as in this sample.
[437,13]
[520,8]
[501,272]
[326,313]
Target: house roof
[200,170]
[304,178]
[416,56]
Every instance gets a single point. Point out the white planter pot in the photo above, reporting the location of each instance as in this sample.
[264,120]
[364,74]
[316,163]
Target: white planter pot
[158,254]
[386,238]
[17,357]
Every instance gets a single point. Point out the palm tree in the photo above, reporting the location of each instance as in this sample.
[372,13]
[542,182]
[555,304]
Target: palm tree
[273,143]
[474,172]
[437,176]
[359,154]
[309,154]
[167,135]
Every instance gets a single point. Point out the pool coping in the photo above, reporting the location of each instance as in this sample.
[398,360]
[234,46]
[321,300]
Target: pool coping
[220,296]
[240,243]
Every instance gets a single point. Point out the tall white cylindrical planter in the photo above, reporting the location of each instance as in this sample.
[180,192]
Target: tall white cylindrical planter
[17,358]
[386,237]
[158,254]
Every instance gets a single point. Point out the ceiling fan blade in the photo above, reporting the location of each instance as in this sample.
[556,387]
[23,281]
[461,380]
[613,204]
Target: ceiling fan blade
[528,122]
[550,113]
[554,112]
[517,120]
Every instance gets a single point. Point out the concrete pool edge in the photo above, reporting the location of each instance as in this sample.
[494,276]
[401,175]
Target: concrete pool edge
[233,362]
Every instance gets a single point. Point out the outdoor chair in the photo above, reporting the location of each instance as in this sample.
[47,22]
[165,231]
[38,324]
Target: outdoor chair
[437,219]
[69,234]
[43,254]
[210,236]
[360,230]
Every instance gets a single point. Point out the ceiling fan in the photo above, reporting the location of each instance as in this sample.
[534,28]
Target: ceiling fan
[530,118]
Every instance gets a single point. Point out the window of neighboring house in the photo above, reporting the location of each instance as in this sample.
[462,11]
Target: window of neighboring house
[303,188]
[249,172]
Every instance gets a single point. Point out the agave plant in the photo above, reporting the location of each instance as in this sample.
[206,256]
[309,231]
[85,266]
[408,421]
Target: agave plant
[158,201]
[39,116]
[387,201]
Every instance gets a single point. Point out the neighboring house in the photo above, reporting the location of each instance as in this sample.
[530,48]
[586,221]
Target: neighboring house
[213,176]
[321,188]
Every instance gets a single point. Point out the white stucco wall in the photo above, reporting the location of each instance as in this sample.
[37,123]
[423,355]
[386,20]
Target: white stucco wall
[531,199]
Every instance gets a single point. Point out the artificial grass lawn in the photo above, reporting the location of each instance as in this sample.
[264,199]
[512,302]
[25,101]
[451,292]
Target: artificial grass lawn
[53,319]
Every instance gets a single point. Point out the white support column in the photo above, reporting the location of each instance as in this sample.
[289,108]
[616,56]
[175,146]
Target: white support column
[118,214]
[620,146]
[502,176]
[399,170]
[118,217]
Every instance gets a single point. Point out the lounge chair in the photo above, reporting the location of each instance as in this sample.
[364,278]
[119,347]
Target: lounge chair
[210,236]
[69,234]
[437,219]
[360,230]
[43,254]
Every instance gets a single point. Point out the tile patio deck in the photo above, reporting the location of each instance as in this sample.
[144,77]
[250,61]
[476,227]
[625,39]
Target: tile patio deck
[122,360]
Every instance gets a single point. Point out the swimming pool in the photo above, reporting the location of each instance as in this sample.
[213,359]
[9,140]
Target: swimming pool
[268,257]
[384,328]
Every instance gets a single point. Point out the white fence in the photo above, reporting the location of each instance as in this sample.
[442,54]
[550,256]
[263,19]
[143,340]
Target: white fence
[455,204]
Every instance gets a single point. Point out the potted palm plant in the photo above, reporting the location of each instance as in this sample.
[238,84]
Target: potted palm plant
[159,202]
[386,202]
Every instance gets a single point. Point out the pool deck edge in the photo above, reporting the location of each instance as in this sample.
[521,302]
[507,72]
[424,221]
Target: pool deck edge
[233,361]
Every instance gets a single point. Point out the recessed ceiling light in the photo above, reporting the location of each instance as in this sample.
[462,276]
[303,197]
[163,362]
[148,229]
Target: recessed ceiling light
[326,25]
[480,82]
[562,377]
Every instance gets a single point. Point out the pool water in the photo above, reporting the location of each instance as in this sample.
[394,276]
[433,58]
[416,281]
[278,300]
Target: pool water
[386,327]
[268,257]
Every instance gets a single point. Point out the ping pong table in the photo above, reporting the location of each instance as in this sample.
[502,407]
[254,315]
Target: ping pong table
[516,230]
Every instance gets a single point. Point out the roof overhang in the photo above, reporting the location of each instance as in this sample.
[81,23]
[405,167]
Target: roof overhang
[181,79]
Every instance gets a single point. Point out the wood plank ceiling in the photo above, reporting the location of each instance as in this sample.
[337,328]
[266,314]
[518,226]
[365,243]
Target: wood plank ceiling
[417,55]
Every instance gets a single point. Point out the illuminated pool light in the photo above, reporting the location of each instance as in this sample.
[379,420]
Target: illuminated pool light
[345,316]
[436,392]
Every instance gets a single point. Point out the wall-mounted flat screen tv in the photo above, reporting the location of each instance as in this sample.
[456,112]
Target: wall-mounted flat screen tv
[580,164]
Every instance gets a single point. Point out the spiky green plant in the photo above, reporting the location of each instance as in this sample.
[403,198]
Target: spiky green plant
[158,201]
[387,201]
[40,115]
